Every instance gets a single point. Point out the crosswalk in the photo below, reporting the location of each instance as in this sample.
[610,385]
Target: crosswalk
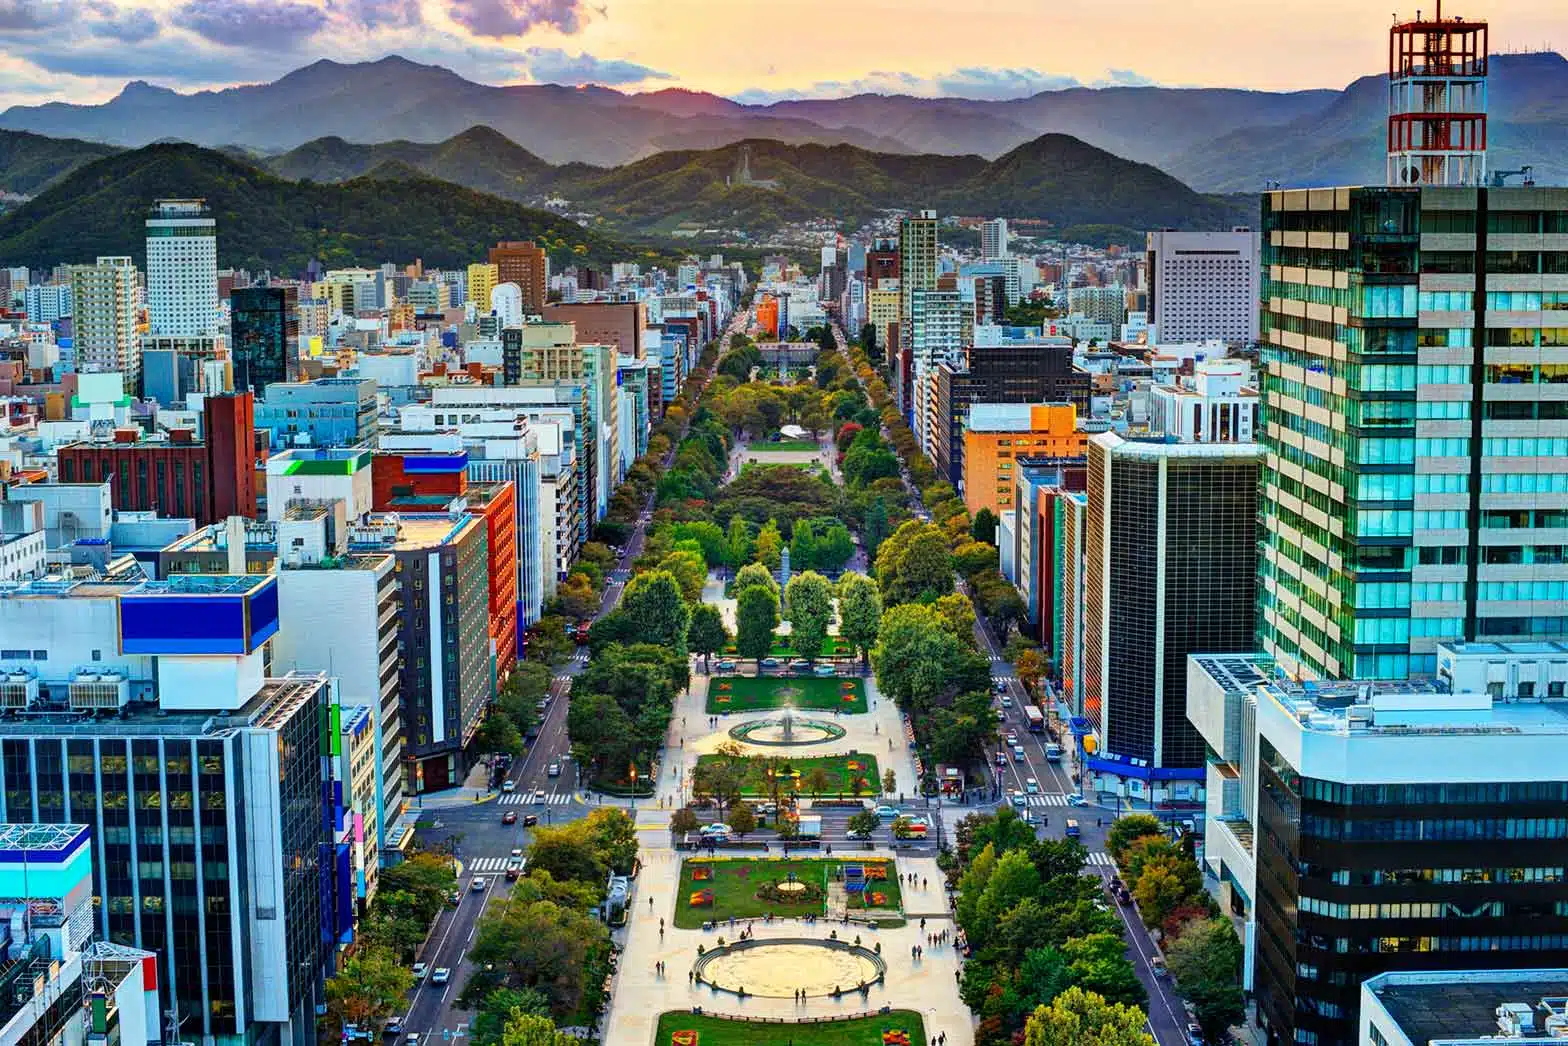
[581,655]
[487,865]
[1100,860]
[525,798]
[1047,799]
[1006,678]
[998,659]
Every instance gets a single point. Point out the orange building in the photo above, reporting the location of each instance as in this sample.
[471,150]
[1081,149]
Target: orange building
[997,434]
[497,503]
[523,263]
[768,316]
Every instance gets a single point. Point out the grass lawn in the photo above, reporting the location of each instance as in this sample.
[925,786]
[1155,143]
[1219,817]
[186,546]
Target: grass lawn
[837,767]
[716,1031]
[783,647]
[784,446]
[734,885]
[751,693]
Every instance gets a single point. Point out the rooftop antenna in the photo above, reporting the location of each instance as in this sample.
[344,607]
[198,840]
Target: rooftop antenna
[1437,102]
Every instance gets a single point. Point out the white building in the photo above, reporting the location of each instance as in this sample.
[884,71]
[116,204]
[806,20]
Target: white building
[936,336]
[1215,405]
[47,302]
[182,269]
[103,304]
[1204,285]
[1100,305]
[993,239]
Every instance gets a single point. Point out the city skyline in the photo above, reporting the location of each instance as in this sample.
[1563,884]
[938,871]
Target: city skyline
[641,45]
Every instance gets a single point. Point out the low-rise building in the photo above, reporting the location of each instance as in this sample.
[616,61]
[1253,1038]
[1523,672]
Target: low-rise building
[998,435]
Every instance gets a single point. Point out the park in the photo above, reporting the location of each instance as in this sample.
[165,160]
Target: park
[717,890]
[754,693]
[894,1028]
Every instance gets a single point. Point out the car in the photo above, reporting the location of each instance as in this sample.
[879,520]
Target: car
[394,1026]
[1018,753]
[826,670]
[517,851]
[1007,702]
[514,868]
[800,664]
[716,828]
[1001,686]
[1077,799]
[539,797]
[1017,798]
[1194,1034]
[1031,786]
[770,662]
[420,969]
[413,1039]
[509,785]
[479,884]
[529,820]
[1012,737]
[455,898]
[886,813]
[553,770]
[510,817]
[441,975]
[850,833]
[1001,759]
[1072,831]
[1157,964]
[726,666]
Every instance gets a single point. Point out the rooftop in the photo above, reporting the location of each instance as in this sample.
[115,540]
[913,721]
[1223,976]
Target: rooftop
[202,585]
[408,531]
[41,838]
[1461,1006]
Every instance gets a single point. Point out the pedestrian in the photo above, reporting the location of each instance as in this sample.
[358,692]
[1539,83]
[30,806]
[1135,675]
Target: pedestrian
[650,904]
[925,884]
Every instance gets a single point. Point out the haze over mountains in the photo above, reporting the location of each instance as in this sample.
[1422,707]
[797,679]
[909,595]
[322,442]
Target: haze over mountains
[1215,140]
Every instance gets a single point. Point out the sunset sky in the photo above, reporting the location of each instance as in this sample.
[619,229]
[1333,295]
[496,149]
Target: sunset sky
[85,50]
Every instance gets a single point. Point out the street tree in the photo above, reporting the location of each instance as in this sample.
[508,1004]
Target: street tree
[810,600]
[874,527]
[914,563]
[656,609]
[756,616]
[689,571]
[738,540]
[803,548]
[683,821]
[983,526]
[1206,964]
[543,946]
[706,635]
[499,734]
[859,611]
[368,989]
[1126,830]
[959,615]
[817,781]
[1099,964]
[742,821]
[1082,1018]
[889,781]
[769,545]
[753,574]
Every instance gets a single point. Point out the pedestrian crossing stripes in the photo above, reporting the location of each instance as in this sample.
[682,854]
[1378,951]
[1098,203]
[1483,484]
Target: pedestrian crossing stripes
[1006,678]
[581,655]
[524,798]
[998,659]
[1100,860]
[487,865]
[1048,799]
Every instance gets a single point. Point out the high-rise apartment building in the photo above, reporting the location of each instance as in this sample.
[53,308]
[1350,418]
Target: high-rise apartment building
[47,302]
[993,239]
[1107,305]
[1171,569]
[1415,410]
[917,254]
[264,336]
[482,278]
[182,269]
[882,263]
[936,336]
[523,263]
[618,323]
[103,303]
[1204,285]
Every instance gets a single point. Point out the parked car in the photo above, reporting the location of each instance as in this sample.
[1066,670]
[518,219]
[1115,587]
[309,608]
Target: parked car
[510,817]
[441,976]
[800,664]
[826,670]
[770,662]
[717,830]
[850,833]
[1001,759]
[886,813]
[554,770]
[1194,1034]
[529,820]
[455,898]
[1157,964]
[726,666]
[420,969]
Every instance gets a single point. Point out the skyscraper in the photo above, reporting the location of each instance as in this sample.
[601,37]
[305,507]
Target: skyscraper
[1204,285]
[993,239]
[917,249]
[182,269]
[264,339]
[103,302]
[1171,569]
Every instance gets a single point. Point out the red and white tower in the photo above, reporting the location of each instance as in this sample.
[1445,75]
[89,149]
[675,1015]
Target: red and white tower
[1437,102]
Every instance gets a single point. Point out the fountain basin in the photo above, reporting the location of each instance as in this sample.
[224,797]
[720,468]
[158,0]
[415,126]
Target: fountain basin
[778,968]
[772,732]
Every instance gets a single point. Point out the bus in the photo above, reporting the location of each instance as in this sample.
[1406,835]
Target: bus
[1035,719]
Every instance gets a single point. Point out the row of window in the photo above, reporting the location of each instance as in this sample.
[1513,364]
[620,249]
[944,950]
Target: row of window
[1517,519]
[1411,876]
[1515,263]
[1434,829]
[1517,222]
[1419,909]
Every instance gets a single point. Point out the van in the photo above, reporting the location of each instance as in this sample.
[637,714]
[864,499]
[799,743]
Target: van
[1053,753]
[1072,831]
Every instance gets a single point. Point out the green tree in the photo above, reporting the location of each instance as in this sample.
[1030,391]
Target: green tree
[983,526]
[738,540]
[498,733]
[816,781]
[859,611]
[542,946]
[656,610]
[567,853]
[874,528]
[689,571]
[1206,960]
[803,547]
[499,1006]
[889,781]
[753,574]
[1099,964]
[834,548]
[865,822]
[706,635]
[1127,829]
[917,657]
[1158,890]
[1082,1018]
[1013,881]
[810,600]
[958,613]
[971,557]
[914,563]
[769,545]
[709,537]
[742,821]
[684,820]
[756,616]
[368,989]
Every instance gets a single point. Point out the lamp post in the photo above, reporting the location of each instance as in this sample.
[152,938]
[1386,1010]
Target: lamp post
[634,785]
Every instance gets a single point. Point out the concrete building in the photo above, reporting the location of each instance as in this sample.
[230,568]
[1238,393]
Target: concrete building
[527,266]
[882,305]
[936,336]
[618,323]
[263,336]
[182,269]
[998,436]
[103,319]
[993,239]
[320,474]
[1416,473]
[1214,405]
[326,412]
[1106,306]
[47,302]
[1204,285]
[1170,569]
[1475,1007]
[1363,828]
[482,278]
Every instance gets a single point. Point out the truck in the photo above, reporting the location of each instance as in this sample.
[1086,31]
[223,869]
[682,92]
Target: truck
[809,827]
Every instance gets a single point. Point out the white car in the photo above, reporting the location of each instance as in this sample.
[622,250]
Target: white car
[1007,702]
[1077,799]
[420,969]
[1031,786]
[1012,737]
[554,770]
[441,976]
[717,828]
[508,785]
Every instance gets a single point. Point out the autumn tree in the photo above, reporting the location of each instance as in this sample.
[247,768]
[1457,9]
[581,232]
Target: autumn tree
[368,989]
[1082,1018]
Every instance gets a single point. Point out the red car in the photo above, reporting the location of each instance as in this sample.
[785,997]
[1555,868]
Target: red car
[510,817]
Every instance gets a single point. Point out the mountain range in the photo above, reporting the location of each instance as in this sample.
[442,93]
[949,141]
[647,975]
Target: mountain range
[1084,192]
[1217,140]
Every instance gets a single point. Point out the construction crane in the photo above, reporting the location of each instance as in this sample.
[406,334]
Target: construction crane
[1500,178]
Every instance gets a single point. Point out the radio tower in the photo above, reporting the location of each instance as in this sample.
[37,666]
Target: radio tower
[1437,102]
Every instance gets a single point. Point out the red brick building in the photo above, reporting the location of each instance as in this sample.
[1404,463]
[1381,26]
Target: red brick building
[176,475]
[418,481]
[523,263]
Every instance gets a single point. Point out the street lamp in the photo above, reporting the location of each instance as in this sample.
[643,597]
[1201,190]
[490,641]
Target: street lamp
[634,785]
